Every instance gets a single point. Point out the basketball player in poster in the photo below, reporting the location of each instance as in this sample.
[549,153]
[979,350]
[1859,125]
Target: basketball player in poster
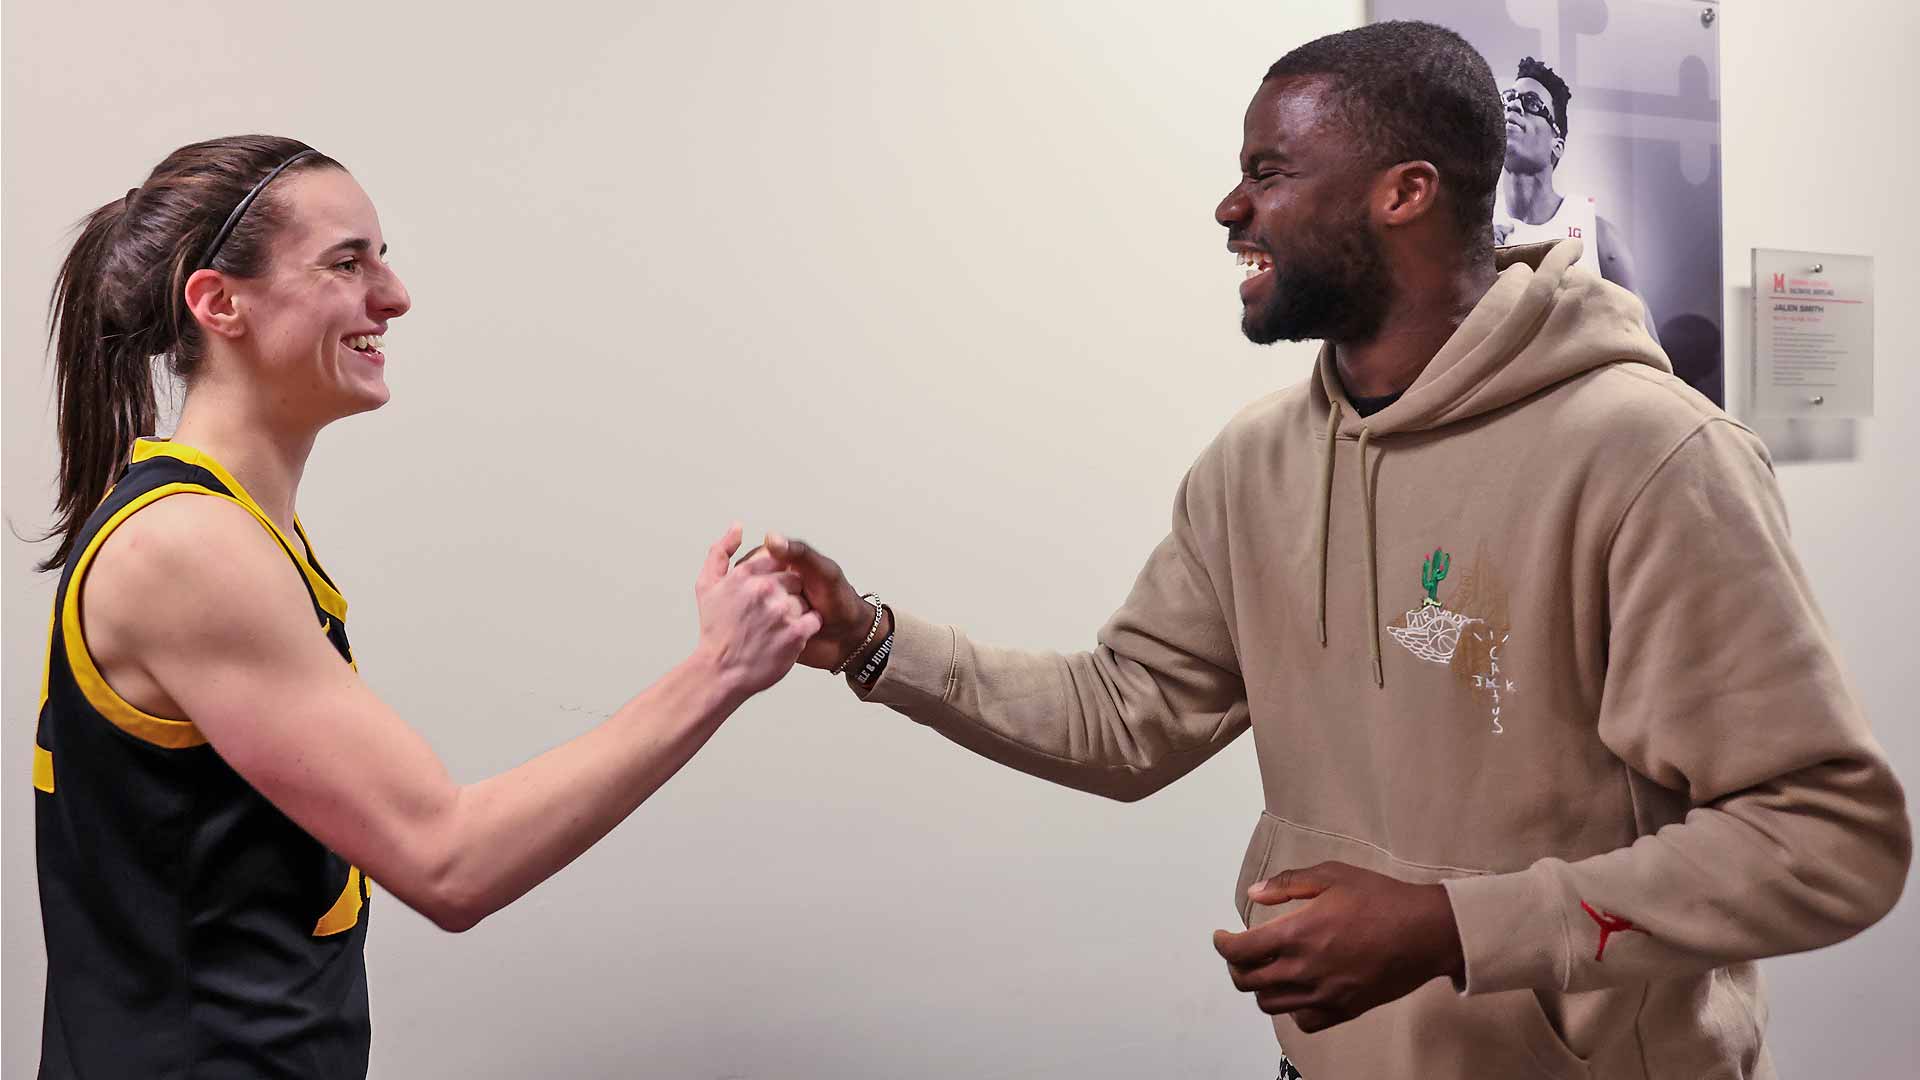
[1529,209]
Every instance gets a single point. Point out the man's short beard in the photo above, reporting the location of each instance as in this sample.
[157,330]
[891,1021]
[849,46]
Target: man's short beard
[1332,286]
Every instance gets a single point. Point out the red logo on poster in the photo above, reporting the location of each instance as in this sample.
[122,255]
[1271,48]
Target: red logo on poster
[1779,283]
[1573,231]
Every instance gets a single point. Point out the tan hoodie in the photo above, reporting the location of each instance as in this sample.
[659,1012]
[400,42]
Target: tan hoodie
[1534,630]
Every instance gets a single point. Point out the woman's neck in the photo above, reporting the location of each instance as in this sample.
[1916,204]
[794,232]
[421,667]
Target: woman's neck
[267,459]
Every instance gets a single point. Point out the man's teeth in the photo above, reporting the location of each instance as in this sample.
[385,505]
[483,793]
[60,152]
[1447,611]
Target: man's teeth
[366,341]
[1255,262]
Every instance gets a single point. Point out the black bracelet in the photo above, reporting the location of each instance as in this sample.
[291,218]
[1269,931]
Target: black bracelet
[875,663]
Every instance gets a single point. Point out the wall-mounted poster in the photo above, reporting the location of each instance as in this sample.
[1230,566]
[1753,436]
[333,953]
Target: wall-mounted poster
[1613,136]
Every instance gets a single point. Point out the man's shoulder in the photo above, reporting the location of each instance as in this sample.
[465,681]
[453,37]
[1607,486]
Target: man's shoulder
[1252,434]
[1265,418]
[1606,236]
[1624,409]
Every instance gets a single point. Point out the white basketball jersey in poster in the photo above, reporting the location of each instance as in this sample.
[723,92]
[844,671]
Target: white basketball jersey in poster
[1574,218]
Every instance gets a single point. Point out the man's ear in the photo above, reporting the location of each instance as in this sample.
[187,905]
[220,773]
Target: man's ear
[1559,149]
[214,305]
[1405,193]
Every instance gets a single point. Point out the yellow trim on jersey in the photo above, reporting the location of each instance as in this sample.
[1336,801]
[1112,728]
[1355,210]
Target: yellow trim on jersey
[172,734]
[330,599]
[53,617]
[345,912]
[46,673]
[43,768]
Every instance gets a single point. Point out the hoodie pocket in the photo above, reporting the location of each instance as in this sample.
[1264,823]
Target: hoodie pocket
[1253,866]
[1539,1037]
[1434,1032]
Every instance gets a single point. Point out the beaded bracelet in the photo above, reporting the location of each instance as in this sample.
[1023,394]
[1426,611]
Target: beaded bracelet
[874,599]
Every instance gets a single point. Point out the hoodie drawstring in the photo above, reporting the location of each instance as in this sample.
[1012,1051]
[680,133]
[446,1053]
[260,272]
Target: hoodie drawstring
[1326,513]
[1326,526]
[1373,570]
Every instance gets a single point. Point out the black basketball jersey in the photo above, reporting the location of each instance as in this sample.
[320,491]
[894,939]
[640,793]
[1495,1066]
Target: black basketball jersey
[193,930]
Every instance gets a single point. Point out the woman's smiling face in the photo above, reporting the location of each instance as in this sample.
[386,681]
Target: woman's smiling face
[318,315]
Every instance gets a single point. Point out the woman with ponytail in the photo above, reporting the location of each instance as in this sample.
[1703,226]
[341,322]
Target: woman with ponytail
[216,786]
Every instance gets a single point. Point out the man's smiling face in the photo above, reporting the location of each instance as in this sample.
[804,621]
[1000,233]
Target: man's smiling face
[1298,219]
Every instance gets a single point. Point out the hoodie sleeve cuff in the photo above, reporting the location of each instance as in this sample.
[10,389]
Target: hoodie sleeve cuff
[920,669]
[1513,931]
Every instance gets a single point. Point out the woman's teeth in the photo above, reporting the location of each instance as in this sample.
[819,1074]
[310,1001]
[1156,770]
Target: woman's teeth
[367,342]
[1254,262]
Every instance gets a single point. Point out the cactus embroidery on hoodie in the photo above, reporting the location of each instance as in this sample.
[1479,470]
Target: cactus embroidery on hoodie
[1469,634]
[1430,631]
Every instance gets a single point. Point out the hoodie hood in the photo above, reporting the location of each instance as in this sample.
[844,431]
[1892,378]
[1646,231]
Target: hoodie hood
[1541,323]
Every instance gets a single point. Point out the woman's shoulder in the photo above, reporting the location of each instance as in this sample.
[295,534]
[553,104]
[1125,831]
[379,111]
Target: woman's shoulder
[194,561]
[181,575]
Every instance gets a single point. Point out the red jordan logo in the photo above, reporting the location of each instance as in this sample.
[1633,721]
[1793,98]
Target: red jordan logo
[1610,924]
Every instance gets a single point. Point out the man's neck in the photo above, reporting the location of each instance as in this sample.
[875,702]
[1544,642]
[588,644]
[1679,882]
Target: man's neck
[1432,309]
[1530,196]
[267,461]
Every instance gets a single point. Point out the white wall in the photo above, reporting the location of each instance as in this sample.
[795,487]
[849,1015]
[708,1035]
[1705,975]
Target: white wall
[1817,105]
[935,285]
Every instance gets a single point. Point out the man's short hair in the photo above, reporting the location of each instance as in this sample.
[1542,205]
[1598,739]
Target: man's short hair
[1413,91]
[1556,89]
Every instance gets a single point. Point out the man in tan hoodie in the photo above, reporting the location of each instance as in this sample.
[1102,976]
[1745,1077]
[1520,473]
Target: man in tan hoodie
[1553,739]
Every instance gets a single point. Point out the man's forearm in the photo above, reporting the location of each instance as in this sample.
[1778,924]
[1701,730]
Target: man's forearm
[1791,865]
[1096,721]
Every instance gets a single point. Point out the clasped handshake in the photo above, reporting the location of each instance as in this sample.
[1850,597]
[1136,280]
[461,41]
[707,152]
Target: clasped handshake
[1365,940]
[782,603]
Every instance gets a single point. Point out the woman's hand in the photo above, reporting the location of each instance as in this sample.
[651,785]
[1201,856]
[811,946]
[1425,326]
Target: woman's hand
[754,619]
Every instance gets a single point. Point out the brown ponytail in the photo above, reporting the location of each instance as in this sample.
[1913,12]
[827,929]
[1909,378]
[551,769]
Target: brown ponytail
[119,303]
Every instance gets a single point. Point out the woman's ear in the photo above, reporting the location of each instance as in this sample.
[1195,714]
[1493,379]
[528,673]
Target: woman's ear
[214,305]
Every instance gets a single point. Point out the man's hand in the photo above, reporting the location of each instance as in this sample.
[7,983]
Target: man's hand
[845,619]
[1358,940]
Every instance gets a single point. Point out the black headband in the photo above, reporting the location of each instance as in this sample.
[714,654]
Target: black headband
[233,219]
